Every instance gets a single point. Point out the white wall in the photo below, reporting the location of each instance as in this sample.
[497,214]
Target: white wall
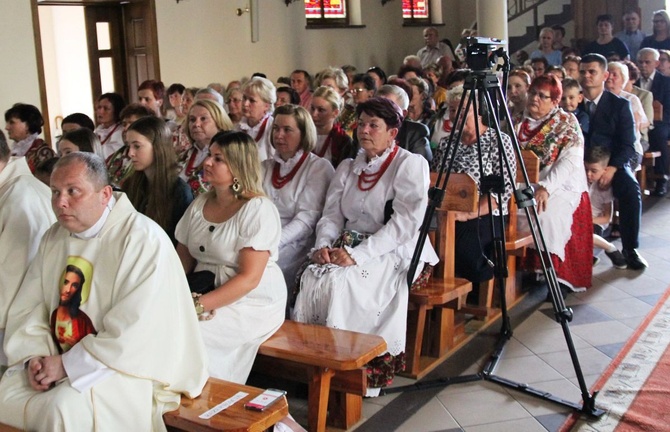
[214,44]
[66,68]
[18,81]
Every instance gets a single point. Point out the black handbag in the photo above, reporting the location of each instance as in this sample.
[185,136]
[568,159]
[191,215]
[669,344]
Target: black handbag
[201,282]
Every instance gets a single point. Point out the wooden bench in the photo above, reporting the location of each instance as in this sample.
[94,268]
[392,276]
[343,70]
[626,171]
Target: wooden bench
[516,243]
[433,327]
[648,162]
[330,361]
[234,418]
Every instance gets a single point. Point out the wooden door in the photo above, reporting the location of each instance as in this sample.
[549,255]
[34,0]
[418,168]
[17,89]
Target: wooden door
[141,44]
[104,31]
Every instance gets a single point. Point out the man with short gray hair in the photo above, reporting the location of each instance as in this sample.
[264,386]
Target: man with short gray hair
[652,80]
[631,34]
[434,49]
[103,333]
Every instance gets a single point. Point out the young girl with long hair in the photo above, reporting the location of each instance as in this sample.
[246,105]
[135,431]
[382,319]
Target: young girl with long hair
[155,188]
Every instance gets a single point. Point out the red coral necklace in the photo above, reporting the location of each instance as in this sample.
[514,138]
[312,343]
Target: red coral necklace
[326,144]
[278,181]
[368,181]
[259,135]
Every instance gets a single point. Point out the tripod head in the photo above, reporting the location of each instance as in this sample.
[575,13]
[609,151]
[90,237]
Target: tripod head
[480,55]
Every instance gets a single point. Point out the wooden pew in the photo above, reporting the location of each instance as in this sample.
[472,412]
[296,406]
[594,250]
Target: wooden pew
[516,243]
[648,162]
[433,327]
[330,361]
[234,418]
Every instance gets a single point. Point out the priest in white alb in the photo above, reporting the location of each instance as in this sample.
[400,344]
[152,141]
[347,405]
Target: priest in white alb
[22,223]
[103,333]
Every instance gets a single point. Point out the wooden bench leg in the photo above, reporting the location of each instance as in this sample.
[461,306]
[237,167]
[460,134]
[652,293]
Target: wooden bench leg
[511,287]
[344,409]
[416,324]
[443,339]
[318,389]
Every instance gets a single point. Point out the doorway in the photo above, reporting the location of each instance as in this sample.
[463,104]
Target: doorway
[89,48]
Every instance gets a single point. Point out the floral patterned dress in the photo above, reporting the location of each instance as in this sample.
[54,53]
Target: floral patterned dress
[567,224]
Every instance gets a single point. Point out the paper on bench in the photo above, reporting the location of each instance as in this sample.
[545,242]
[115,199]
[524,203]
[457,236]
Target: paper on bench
[223,405]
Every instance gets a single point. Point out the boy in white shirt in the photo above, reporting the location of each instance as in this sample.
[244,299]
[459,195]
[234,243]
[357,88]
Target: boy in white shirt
[595,162]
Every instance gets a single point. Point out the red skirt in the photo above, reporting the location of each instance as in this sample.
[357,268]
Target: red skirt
[577,268]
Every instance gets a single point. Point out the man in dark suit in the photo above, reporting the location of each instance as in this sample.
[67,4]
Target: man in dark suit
[612,127]
[653,81]
[412,136]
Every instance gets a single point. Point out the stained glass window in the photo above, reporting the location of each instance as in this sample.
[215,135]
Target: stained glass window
[325,9]
[415,9]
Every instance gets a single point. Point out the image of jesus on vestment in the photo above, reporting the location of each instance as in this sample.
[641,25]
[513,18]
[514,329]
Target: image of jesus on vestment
[69,324]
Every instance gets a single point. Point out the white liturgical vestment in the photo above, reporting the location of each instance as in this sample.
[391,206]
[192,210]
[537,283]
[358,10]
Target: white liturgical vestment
[136,322]
[25,214]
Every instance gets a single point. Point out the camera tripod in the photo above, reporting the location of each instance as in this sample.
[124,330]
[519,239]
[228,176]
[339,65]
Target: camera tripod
[482,85]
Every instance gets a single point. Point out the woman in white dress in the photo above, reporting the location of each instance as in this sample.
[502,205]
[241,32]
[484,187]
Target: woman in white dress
[296,180]
[366,238]
[258,100]
[233,231]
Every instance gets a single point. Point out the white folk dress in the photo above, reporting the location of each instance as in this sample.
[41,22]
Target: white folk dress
[233,336]
[261,134]
[111,139]
[300,203]
[371,296]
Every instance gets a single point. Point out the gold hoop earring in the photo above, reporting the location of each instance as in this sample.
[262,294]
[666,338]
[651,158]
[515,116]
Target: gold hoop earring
[236,187]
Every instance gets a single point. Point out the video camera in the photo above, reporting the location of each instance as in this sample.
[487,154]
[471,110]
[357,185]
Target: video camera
[480,54]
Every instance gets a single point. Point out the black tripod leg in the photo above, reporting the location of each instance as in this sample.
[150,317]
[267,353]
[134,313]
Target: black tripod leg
[525,200]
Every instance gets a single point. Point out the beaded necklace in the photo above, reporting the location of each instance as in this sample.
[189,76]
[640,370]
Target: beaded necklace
[103,141]
[368,181]
[326,144]
[259,135]
[278,181]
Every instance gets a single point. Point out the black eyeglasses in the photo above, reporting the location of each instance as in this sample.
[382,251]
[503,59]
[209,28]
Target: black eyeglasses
[540,95]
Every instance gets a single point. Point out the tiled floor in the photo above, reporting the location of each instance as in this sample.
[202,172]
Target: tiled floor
[604,317]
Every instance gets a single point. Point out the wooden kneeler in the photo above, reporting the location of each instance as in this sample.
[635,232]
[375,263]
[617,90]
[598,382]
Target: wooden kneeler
[516,243]
[433,325]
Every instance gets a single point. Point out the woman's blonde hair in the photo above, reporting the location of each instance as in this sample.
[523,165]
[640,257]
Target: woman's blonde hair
[663,14]
[240,152]
[335,74]
[330,96]
[221,119]
[264,89]
[304,122]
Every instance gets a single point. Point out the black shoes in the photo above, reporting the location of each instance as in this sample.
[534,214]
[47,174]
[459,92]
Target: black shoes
[634,260]
[661,188]
[618,260]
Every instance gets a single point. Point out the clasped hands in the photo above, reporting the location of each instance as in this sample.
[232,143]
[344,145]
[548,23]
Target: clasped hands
[338,256]
[44,372]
